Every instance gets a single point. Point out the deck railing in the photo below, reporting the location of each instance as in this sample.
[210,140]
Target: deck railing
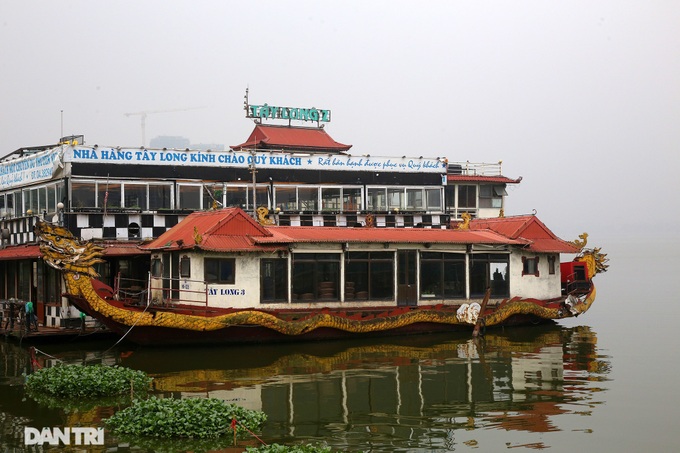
[162,291]
[468,168]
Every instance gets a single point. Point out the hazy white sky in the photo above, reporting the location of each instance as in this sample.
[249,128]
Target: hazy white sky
[581,98]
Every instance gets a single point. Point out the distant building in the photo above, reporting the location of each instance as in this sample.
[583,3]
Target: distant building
[207,147]
[170,141]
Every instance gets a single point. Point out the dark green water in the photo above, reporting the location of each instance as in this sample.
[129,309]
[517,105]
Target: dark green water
[602,382]
[417,393]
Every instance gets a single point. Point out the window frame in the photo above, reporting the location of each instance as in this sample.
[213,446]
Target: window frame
[221,262]
[373,261]
[185,267]
[317,263]
[445,260]
[278,267]
[527,266]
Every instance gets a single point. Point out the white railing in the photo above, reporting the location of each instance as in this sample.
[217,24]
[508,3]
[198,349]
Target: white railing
[475,168]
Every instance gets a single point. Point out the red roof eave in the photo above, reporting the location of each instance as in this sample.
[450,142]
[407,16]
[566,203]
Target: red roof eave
[491,179]
[20,252]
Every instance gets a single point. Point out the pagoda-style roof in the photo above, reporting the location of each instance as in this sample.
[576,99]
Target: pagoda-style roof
[273,137]
[538,237]
[232,230]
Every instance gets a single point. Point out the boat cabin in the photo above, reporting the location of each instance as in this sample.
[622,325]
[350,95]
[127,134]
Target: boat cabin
[575,278]
[227,259]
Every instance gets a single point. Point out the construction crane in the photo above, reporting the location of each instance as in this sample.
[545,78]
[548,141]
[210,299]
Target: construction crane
[144,113]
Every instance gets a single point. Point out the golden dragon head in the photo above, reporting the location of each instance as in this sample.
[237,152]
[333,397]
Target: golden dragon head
[595,260]
[64,252]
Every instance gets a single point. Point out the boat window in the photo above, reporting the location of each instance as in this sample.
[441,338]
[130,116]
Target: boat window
[185,267]
[17,203]
[330,199]
[488,198]
[108,195]
[51,198]
[467,196]
[308,198]
[220,270]
[9,205]
[160,196]
[24,280]
[286,198]
[442,275]
[395,198]
[489,271]
[82,194]
[135,196]
[262,193]
[414,199]
[274,280]
[212,196]
[316,276]
[376,199]
[237,196]
[530,266]
[351,199]
[31,201]
[189,197]
[434,199]
[156,268]
[42,199]
[369,275]
[61,192]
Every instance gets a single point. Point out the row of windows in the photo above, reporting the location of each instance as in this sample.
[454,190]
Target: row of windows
[150,196]
[287,198]
[368,275]
[39,200]
[132,195]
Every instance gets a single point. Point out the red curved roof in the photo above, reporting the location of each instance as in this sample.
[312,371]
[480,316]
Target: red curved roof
[289,137]
[527,228]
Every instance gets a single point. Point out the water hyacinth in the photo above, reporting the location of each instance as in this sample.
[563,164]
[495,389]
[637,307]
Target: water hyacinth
[93,381]
[191,418]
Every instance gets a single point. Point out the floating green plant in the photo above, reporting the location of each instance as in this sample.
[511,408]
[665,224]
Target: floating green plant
[201,418]
[94,381]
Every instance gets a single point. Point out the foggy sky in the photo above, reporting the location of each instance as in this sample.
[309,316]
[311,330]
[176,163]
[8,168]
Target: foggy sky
[580,98]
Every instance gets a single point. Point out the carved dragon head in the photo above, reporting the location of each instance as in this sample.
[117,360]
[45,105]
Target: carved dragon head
[64,252]
[595,260]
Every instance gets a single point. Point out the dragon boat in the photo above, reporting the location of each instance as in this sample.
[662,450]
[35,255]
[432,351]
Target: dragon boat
[223,277]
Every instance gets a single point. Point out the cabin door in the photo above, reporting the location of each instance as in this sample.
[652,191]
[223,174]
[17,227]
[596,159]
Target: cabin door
[407,289]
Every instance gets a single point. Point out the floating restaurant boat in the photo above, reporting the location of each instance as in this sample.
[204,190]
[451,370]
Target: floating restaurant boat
[284,236]
[260,282]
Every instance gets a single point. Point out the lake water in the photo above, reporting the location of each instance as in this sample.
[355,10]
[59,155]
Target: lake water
[606,381]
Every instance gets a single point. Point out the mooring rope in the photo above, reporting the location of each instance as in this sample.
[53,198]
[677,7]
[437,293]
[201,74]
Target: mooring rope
[130,329]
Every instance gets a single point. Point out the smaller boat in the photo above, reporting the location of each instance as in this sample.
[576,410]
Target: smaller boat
[223,277]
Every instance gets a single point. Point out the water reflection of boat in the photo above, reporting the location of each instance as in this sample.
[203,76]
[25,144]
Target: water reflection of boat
[406,393]
[341,389]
